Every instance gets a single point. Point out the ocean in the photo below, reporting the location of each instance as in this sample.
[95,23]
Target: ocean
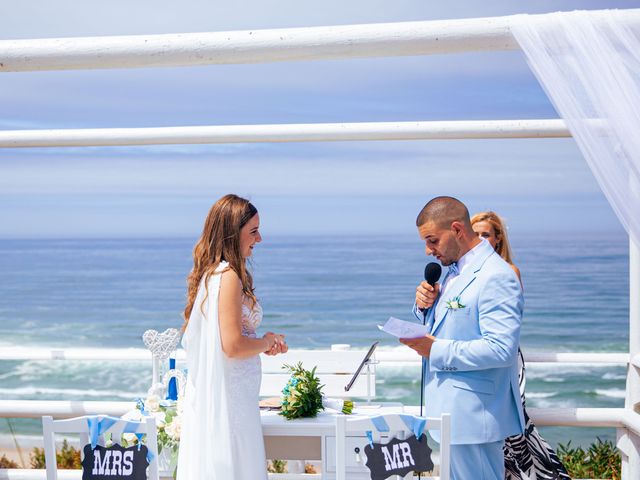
[318,290]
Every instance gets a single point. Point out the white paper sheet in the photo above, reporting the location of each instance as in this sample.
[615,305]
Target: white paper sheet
[403,329]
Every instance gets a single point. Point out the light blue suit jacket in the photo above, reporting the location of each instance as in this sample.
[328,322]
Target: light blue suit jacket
[472,372]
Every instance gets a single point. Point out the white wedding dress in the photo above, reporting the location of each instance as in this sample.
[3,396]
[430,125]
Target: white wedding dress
[221,436]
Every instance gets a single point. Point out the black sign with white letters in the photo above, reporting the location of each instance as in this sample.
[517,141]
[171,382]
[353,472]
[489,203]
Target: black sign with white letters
[115,463]
[398,457]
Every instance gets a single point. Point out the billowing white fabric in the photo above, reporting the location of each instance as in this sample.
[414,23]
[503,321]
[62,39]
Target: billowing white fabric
[589,65]
[221,436]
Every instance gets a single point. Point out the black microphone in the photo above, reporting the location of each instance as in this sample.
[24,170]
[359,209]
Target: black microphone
[432,273]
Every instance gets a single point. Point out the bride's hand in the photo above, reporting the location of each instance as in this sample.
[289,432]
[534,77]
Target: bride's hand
[278,346]
[283,347]
[272,342]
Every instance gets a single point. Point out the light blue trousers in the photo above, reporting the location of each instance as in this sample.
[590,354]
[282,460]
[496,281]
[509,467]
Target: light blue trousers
[484,461]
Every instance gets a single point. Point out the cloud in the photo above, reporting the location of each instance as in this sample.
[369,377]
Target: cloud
[347,168]
[64,190]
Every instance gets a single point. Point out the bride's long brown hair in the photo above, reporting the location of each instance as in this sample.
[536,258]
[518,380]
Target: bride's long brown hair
[220,241]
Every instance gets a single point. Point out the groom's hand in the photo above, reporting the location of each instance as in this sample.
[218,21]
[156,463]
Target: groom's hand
[426,295]
[421,345]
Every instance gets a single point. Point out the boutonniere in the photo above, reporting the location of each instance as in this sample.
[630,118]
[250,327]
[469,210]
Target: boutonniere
[454,303]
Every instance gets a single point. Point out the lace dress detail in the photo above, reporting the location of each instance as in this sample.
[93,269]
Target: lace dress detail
[245,374]
[251,318]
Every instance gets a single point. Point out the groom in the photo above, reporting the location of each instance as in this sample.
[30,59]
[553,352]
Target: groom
[471,355]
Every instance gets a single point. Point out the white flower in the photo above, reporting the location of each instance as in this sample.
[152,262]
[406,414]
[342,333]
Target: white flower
[454,303]
[152,403]
[174,428]
[160,418]
[129,437]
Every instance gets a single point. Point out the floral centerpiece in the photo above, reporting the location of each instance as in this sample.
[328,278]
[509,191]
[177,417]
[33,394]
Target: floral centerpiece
[168,424]
[302,395]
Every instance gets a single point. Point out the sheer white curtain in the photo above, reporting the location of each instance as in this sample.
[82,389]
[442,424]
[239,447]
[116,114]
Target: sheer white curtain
[589,65]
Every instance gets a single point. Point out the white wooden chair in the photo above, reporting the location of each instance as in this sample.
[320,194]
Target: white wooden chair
[80,425]
[347,439]
[334,369]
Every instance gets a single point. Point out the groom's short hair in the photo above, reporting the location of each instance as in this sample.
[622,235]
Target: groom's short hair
[443,211]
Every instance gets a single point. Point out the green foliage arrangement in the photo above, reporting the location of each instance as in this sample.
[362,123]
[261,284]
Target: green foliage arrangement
[302,395]
[600,460]
[280,466]
[67,457]
[277,466]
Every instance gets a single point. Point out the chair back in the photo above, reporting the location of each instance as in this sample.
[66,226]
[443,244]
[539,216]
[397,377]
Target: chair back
[334,369]
[353,434]
[116,427]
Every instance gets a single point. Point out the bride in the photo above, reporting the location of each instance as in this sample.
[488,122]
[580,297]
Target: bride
[221,431]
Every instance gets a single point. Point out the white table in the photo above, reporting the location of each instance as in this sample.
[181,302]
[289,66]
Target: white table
[314,438]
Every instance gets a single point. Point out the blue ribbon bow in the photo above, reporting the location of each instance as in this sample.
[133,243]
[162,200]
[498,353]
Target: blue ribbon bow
[99,424]
[415,424]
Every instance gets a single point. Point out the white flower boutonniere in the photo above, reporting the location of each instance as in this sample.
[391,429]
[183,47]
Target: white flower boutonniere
[454,303]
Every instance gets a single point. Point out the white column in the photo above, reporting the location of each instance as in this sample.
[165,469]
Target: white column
[628,442]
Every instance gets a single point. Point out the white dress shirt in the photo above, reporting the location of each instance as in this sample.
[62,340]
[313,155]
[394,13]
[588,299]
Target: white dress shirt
[464,262]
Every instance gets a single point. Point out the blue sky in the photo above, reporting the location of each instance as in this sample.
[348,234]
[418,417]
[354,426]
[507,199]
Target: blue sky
[346,187]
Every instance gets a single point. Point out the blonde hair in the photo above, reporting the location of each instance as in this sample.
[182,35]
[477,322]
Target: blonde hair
[503,248]
[220,242]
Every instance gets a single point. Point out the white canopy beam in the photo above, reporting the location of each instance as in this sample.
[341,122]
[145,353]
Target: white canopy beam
[320,132]
[263,46]
[257,46]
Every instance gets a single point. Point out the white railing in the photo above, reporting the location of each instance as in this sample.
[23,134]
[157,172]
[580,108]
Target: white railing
[383,356]
[626,422]
[593,358]
[603,417]
[568,417]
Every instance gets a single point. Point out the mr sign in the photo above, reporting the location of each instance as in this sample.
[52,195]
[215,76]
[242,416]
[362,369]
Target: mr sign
[114,463]
[398,457]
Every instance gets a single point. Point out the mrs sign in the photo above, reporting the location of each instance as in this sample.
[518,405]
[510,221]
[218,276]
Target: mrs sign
[115,463]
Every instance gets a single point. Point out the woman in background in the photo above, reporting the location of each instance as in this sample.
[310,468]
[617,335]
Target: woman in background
[221,435]
[527,456]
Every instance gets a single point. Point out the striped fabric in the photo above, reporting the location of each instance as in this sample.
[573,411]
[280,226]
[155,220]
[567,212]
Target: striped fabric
[529,456]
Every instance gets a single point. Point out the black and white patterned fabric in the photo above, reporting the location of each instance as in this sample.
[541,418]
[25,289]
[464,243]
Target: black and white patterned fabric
[529,456]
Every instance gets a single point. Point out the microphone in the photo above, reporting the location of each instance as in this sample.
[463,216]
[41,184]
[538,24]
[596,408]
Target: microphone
[432,273]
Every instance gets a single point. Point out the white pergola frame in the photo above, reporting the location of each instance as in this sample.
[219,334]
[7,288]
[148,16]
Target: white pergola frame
[318,43]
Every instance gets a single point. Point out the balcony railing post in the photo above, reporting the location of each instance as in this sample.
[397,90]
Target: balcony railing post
[631,457]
